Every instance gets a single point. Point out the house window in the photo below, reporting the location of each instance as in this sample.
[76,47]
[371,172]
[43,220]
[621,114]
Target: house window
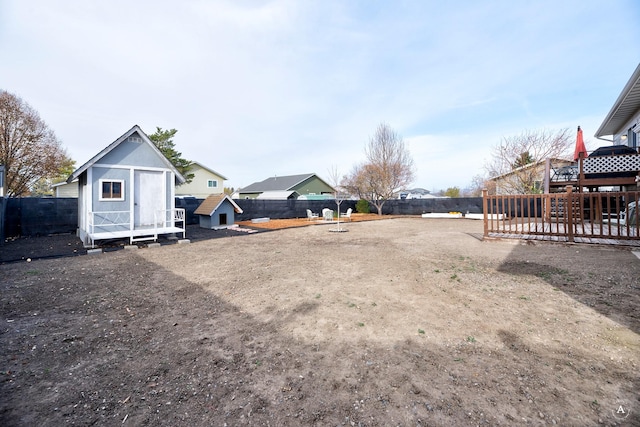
[111,190]
[212,183]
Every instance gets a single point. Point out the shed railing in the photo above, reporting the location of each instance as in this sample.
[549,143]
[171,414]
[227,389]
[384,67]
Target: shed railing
[117,224]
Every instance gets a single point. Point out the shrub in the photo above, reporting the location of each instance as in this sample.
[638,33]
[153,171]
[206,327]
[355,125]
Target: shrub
[362,206]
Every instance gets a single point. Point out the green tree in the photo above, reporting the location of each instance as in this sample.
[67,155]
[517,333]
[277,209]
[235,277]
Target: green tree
[163,139]
[43,187]
[523,159]
[29,150]
[452,192]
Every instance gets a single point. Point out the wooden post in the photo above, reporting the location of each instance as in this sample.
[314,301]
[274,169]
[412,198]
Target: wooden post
[570,213]
[580,171]
[547,175]
[485,212]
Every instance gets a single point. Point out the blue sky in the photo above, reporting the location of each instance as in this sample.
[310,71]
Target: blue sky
[263,88]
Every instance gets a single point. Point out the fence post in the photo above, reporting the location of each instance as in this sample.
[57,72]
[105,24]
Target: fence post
[485,210]
[570,213]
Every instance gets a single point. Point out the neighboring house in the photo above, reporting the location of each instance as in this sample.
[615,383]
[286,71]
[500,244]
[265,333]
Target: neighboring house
[127,191]
[519,179]
[217,211]
[287,187]
[204,183]
[65,189]
[416,193]
[623,125]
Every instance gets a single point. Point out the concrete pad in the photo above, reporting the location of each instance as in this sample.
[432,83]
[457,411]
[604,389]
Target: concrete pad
[183,241]
[131,247]
[636,253]
[154,245]
[94,251]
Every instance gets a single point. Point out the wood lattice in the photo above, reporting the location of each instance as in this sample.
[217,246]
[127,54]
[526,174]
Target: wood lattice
[606,164]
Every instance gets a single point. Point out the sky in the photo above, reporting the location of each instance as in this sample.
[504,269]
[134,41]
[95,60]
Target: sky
[263,88]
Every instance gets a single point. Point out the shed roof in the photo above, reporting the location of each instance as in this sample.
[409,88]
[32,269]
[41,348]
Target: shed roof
[211,203]
[623,110]
[117,142]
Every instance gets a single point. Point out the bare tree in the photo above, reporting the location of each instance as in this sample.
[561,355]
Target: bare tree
[387,170]
[29,150]
[338,184]
[478,183]
[519,161]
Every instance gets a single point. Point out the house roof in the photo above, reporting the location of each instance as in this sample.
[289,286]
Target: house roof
[117,142]
[623,110]
[213,202]
[60,184]
[554,161]
[279,183]
[209,170]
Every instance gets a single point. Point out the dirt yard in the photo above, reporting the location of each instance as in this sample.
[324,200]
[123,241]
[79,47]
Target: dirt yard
[407,322]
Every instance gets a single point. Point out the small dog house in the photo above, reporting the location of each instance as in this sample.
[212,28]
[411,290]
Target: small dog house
[217,211]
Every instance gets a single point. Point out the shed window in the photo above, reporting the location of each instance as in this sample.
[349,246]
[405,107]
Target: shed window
[212,183]
[111,190]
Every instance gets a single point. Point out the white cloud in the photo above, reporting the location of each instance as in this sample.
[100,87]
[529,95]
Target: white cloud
[263,88]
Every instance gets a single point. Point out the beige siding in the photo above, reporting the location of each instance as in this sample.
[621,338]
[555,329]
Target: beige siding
[66,190]
[199,186]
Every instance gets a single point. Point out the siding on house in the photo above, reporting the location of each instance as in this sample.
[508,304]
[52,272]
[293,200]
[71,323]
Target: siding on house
[305,184]
[64,190]
[199,185]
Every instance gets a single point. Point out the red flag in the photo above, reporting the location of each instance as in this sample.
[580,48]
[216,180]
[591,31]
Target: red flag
[580,148]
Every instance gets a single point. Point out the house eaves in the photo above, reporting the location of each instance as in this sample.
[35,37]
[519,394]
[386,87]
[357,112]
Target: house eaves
[210,170]
[114,144]
[627,104]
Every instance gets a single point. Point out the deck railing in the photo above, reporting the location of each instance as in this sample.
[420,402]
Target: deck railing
[569,216]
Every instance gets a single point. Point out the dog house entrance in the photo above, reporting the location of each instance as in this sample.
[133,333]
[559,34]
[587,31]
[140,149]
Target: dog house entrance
[223,219]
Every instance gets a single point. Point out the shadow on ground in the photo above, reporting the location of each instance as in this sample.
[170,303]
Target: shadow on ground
[604,279]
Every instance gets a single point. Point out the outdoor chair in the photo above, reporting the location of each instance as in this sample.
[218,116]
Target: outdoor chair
[347,214]
[327,214]
[311,216]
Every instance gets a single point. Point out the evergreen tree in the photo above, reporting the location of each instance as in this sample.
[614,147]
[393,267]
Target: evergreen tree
[163,139]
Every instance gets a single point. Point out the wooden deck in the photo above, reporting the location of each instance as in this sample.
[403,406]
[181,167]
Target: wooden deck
[605,234]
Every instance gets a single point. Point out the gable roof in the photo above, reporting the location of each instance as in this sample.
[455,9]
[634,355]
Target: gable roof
[627,104]
[279,183]
[209,170]
[213,202]
[117,142]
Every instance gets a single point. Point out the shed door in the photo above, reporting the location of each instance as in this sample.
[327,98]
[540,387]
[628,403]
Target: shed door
[149,198]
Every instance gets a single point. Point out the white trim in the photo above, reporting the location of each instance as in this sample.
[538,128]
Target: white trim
[111,199]
[132,198]
[137,167]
